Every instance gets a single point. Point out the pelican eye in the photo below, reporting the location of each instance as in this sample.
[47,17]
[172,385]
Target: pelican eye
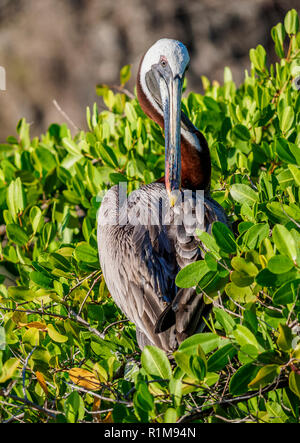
[163,63]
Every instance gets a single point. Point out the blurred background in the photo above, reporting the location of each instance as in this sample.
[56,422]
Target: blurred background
[60,49]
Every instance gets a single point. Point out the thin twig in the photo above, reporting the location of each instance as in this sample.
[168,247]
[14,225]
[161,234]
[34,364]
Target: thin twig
[239,420]
[288,216]
[105,411]
[15,417]
[51,413]
[38,312]
[80,283]
[293,307]
[24,371]
[114,324]
[72,315]
[93,394]
[123,90]
[206,408]
[89,293]
[65,115]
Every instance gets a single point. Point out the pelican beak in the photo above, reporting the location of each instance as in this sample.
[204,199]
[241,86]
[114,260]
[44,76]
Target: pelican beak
[171,101]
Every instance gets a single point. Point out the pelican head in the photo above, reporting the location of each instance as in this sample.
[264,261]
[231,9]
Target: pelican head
[162,74]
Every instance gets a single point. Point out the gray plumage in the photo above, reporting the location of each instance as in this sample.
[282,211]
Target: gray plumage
[141,256]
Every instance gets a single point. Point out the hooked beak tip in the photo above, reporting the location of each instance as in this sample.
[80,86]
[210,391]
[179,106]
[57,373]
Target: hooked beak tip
[173,197]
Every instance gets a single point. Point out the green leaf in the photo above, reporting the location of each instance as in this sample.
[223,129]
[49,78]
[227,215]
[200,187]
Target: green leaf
[295,173]
[193,365]
[156,363]
[16,198]
[48,234]
[46,158]
[281,147]
[175,387]
[21,294]
[264,376]
[198,364]
[192,274]
[41,280]
[35,218]
[243,266]
[291,22]
[142,398]
[108,156]
[244,194]
[170,416]
[278,35]
[284,341]
[17,235]
[221,358]
[225,320]
[183,360]
[258,58]
[247,354]
[125,74]
[72,147]
[241,378]
[294,383]
[224,237]
[268,279]
[208,342]
[130,113]
[241,132]
[84,252]
[210,244]
[287,293]
[244,336]
[74,408]
[239,294]
[6,148]
[255,235]
[286,119]
[284,241]
[279,264]
[241,280]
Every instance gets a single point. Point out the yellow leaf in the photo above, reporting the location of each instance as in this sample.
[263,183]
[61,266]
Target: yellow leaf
[85,379]
[55,335]
[36,325]
[294,383]
[264,376]
[19,318]
[296,352]
[31,336]
[40,378]
[96,407]
[9,368]
[108,418]
[100,372]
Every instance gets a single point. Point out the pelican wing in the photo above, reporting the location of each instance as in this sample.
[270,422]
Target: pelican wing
[141,250]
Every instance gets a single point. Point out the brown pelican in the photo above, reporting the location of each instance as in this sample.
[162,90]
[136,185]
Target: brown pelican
[140,256]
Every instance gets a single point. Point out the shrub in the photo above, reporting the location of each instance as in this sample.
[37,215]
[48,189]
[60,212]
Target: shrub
[65,347]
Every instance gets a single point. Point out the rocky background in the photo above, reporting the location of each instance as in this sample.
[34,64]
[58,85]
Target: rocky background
[60,49]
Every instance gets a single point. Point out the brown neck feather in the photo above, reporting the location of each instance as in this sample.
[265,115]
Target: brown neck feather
[195,165]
